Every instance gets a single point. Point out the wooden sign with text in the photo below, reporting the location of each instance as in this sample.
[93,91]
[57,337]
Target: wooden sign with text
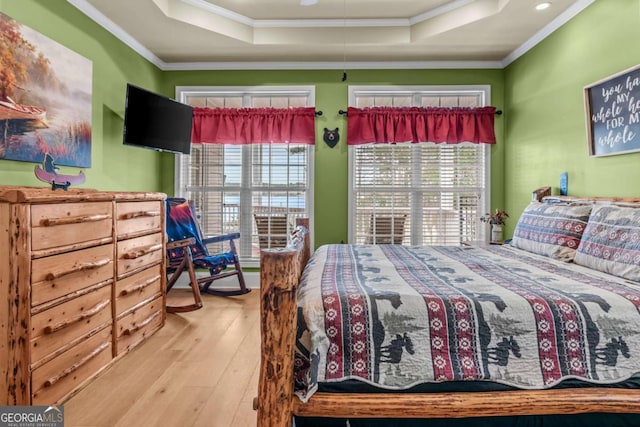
[613,113]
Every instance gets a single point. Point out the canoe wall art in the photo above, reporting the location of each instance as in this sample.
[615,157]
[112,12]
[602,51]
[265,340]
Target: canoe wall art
[45,98]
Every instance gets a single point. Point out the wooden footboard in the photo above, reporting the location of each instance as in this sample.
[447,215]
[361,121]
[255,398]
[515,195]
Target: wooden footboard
[280,271]
[276,403]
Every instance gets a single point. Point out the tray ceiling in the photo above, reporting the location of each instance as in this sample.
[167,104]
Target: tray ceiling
[252,34]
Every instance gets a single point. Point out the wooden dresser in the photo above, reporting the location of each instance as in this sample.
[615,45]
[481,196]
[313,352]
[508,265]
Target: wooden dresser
[81,283]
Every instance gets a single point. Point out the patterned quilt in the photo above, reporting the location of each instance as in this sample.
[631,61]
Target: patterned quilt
[396,316]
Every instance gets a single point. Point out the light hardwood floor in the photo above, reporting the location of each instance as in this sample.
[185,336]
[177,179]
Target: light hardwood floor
[200,369]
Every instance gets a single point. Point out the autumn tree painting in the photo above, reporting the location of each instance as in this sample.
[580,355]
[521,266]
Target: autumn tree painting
[45,98]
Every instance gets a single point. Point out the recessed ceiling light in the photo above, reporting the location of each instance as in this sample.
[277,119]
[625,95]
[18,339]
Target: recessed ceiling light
[308,2]
[543,5]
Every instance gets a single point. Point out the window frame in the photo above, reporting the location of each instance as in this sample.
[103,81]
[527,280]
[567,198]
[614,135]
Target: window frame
[438,90]
[248,93]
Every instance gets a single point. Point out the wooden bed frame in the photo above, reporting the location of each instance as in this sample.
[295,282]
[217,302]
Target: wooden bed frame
[280,272]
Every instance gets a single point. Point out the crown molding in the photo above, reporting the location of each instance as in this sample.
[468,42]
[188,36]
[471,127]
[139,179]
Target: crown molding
[330,23]
[93,13]
[324,23]
[441,10]
[85,7]
[354,65]
[545,32]
[221,11]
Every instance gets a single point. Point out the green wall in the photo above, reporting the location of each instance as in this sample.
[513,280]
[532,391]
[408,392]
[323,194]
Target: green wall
[113,166]
[331,164]
[545,126]
[116,167]
[541,134]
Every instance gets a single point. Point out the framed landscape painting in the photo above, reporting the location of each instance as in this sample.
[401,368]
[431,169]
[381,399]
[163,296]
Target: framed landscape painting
[45,98]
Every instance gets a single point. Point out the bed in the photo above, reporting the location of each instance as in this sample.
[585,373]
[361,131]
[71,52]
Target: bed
[545,326]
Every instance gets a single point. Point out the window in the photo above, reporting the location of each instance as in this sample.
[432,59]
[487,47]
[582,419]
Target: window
[257,189]
[418,194]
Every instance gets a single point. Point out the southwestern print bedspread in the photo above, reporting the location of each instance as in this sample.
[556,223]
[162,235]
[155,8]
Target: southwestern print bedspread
[396,316]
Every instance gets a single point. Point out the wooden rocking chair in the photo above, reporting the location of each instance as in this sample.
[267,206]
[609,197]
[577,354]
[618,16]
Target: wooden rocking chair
[187,250]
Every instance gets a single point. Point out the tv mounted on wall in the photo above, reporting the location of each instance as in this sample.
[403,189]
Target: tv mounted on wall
[156,122]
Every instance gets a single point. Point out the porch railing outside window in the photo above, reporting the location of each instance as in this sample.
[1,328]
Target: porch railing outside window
[235,186]
[418,194]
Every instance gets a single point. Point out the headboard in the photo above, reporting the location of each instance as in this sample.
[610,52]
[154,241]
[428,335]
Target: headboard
[543,194]
[540,193]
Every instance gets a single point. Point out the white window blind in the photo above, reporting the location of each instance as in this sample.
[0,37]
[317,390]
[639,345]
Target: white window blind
[418,194]
[257,189]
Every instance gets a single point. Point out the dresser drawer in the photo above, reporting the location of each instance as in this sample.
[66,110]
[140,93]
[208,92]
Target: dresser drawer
[135,218]
[58,275]
[138,253]
[137,288]
[66,224]
[54,380]
[138,325]
[62,325]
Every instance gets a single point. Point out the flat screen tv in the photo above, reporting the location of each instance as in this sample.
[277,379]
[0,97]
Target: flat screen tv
[156,122]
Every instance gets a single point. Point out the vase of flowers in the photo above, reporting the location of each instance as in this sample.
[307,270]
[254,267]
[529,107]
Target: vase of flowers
[496,219]
[496,233]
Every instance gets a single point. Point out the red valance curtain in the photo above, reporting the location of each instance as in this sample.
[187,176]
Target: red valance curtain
[253,125]
[417,124]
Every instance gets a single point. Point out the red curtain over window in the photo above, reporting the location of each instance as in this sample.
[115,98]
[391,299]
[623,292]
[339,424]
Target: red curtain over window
[418,124]
[253,125]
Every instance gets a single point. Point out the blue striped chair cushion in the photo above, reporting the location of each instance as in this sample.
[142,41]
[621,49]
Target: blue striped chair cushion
[553,230]
[611,241]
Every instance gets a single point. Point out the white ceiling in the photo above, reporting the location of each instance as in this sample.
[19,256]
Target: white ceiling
[332,34]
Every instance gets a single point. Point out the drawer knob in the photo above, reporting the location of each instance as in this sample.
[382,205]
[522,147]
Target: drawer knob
[137,253]
[85,315]
[54,379]
[50,222]
[78,267]
[139,287]
[131,215]
[136,327]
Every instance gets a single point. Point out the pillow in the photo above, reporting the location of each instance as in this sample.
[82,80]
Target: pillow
[553,230]
[611,241]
